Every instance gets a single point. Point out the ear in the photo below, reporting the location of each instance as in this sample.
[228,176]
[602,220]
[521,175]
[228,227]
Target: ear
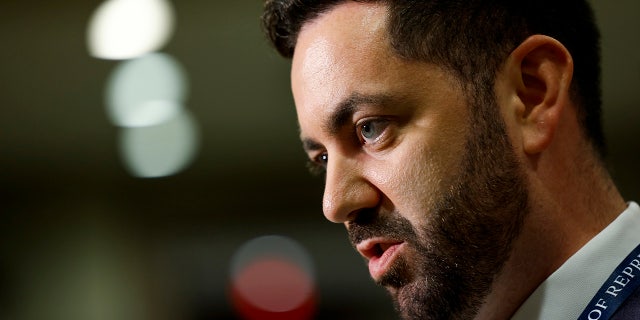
[539,71]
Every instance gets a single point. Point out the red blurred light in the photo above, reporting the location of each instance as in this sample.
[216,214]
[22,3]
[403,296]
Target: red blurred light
[273,289]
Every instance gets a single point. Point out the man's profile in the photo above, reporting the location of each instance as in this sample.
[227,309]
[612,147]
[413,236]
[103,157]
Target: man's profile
[463,150]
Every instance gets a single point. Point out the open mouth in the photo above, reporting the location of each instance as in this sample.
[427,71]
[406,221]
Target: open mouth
[381,254]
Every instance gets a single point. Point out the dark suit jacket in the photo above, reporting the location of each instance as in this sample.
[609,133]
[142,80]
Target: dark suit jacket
[630,309]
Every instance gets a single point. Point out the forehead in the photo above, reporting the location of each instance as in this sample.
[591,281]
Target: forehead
[329,46]
[346,52]
[349,25]
[341,52]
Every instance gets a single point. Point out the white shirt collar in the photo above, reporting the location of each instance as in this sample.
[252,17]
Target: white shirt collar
[566,292]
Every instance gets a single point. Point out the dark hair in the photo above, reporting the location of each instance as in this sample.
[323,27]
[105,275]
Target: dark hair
[472,39]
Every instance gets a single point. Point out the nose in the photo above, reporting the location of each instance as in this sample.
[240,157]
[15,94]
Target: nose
[347,191]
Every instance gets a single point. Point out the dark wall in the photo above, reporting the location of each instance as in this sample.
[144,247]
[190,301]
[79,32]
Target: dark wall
[81,238]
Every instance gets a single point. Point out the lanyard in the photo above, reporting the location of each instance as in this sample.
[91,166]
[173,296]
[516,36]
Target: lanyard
[624,280]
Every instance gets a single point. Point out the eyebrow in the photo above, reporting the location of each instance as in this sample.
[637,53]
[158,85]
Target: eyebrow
[346,108]
[311,145]
[342,115]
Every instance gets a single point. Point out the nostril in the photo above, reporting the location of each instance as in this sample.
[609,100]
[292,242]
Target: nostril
[363,216]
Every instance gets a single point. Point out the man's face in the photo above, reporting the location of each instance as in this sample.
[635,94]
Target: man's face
[426,183]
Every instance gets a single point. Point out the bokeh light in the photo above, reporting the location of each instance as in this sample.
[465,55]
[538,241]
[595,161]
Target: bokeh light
[124,29]
[273,278]
[146,91]
[160,150]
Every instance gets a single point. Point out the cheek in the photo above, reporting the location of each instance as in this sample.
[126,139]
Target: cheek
[423,180]
[421,171]
[409,179]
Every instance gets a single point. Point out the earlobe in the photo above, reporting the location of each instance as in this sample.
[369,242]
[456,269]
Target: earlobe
[542,69]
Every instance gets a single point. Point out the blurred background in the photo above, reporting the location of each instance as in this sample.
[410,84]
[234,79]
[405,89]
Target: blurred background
[111,211]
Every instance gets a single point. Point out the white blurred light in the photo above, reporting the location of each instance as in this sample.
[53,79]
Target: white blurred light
[146,91]
[160,150]
[124,29]
[273,275]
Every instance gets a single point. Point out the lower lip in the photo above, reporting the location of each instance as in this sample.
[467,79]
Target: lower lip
[378,266]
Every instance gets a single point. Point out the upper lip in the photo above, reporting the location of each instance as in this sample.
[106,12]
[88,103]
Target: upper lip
[375,247]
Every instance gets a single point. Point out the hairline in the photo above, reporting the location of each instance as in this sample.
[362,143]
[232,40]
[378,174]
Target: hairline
[473,78]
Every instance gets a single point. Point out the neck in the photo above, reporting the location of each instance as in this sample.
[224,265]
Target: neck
[571,201]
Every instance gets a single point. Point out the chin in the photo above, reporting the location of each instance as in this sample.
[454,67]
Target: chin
[419,300]
[409,303]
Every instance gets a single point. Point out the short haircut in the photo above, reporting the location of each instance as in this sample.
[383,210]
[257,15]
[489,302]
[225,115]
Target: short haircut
[472,39]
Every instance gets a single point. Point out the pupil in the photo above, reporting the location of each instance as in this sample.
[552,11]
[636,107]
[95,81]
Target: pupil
[367,131]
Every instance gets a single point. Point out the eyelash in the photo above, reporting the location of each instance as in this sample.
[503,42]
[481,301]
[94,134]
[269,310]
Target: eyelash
[318,164]
[373,123]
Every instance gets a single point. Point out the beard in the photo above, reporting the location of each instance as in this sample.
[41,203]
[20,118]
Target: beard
[470,228]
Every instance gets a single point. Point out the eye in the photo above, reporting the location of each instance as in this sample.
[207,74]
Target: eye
[318,165]
[369,131]
[322,159]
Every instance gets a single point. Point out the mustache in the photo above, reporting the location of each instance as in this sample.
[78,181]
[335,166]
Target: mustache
[371,224]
